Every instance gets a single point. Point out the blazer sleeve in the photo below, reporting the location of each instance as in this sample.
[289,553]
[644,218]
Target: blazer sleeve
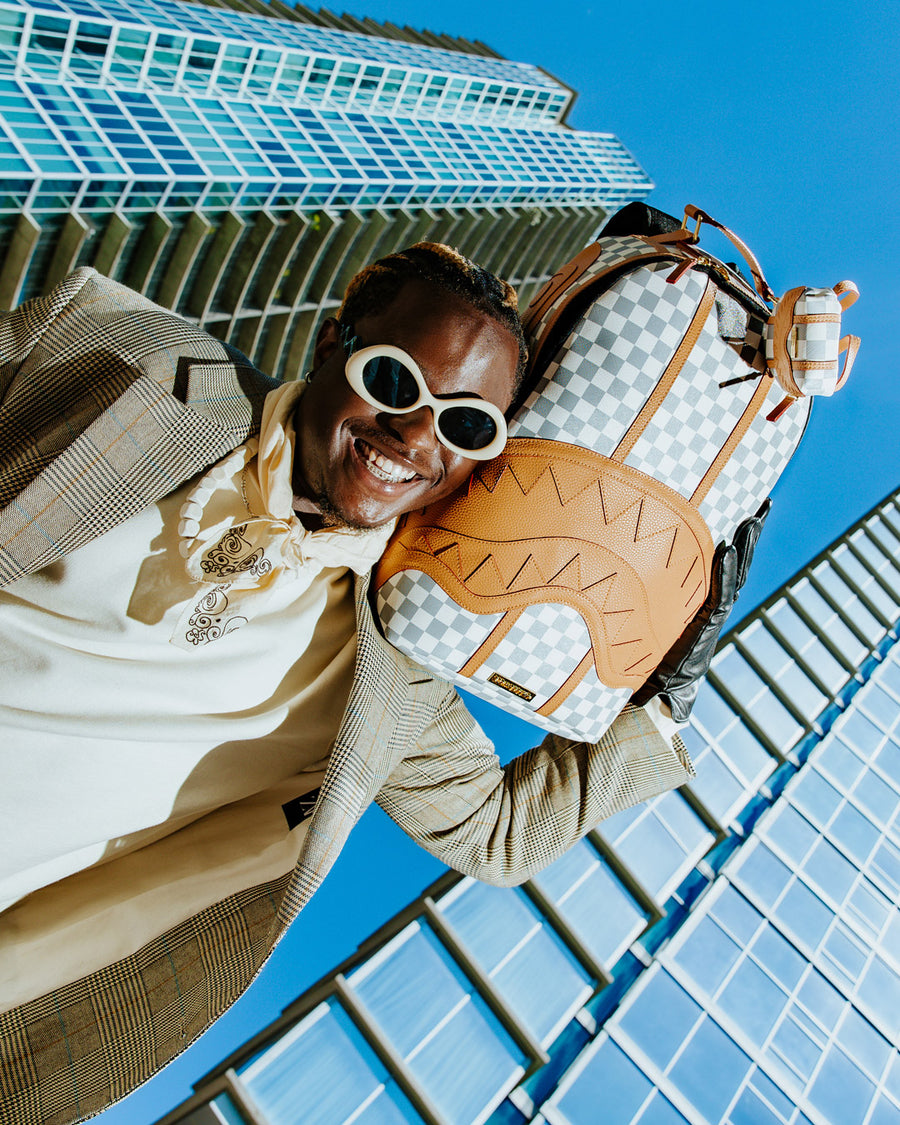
[501,824]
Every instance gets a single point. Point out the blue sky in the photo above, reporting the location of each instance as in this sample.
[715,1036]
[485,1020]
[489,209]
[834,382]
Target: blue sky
[781,121]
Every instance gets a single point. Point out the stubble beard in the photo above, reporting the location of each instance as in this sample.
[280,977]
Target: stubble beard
[331,517]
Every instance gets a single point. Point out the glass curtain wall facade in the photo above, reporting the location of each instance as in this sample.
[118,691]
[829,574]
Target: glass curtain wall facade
[727,953]
[239,168]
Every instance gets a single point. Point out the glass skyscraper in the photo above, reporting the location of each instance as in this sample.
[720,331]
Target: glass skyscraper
[239,164]
[729,952]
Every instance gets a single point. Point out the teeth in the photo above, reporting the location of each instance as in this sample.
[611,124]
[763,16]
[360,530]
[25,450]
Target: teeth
[382,467]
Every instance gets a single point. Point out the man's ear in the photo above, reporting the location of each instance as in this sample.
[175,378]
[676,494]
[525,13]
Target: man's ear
[327,341]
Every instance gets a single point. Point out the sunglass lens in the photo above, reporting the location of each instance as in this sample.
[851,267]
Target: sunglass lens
[388,381]
[468,427]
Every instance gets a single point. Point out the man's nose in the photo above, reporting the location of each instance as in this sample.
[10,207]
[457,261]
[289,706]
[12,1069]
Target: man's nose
[416,429]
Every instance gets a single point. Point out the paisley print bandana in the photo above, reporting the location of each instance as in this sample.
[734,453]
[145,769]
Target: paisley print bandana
[240,535]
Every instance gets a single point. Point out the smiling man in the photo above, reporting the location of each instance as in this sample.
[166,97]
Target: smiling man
[359,461]
[196,704]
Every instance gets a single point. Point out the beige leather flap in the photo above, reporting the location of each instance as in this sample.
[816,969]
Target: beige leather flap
[552,522]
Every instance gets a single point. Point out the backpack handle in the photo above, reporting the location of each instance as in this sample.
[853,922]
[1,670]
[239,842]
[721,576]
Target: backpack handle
[759,281]
[846,292]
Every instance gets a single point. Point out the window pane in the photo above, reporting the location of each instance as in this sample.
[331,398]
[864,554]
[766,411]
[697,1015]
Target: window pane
[660,1038]
[841,1091]
[754,1000]
[709,955]
[521,955]
[658,841]
[592,901]
[432,1014]
[321,1072]
[610,1087]
[711,1069]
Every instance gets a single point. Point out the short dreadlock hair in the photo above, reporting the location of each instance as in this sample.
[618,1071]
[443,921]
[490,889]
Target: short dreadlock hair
[376,286]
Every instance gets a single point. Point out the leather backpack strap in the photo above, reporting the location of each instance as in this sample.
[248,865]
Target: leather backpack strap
[565,277]
[847,293]
[762,286]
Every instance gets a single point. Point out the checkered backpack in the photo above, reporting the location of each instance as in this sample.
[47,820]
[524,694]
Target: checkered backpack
[665,399]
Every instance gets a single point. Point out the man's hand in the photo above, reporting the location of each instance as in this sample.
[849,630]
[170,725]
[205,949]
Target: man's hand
[678,676]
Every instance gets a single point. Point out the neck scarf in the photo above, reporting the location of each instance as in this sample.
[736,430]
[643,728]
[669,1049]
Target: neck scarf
[240,535]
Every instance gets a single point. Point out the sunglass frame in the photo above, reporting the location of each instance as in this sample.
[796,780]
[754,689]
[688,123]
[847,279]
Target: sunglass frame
[354,369]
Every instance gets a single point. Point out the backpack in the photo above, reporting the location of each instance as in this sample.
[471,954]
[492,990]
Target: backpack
[664,398]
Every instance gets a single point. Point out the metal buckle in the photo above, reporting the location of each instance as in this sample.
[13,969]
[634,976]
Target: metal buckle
[695,235]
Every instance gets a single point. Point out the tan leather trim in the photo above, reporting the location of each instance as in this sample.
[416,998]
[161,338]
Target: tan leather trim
[817,318]
[668,377]
[782,323]
[563,294]
[565,690]
[564,277]
[762,286]
[742,425]
[846,292]
[679,238]
[490,642]
[552,522]
[850,344]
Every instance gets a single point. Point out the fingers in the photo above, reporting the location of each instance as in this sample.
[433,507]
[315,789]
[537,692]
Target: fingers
[746,538]
[723,583]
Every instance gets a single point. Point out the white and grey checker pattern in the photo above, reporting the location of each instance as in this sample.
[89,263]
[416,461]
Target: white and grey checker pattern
[747,479]
[615,251]
[590,709]
[540,651]
[423,621]
[693,422]
[620,248]
[584,717]
[539,654]
[611,362]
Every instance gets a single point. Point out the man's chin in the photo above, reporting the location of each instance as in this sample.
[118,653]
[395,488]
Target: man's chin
[331,515]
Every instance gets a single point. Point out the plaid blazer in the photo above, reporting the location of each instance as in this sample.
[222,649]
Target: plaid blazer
[108,402]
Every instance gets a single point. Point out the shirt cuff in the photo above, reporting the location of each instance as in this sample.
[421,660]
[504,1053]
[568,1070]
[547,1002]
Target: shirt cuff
[659,714]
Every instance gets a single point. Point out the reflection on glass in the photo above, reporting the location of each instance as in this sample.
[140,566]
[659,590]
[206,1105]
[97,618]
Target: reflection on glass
[711,1069]
[807,645]
[612,1088]
[659,841]
[864,580]
[754,695]
[729,770]
[434,1018]
[841,1091]
[593,902]
[323,1072]
[846,599]
[831,624]
[518,951]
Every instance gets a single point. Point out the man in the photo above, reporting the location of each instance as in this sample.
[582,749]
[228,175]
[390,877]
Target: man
[197,707]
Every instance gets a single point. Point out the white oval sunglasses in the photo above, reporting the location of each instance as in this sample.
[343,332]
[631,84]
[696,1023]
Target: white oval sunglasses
[388,378]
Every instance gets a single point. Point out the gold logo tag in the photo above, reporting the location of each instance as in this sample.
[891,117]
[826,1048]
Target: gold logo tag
[508,685]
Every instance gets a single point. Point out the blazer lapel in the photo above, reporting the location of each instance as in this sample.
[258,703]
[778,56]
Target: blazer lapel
[372,735]
[142,447]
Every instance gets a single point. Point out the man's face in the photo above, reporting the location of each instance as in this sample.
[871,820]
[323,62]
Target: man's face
[362,466]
